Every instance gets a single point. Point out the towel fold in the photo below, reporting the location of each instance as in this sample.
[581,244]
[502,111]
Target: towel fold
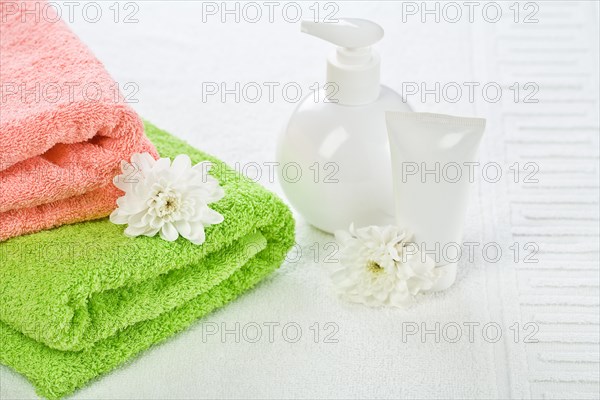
[77,301]
[64,125]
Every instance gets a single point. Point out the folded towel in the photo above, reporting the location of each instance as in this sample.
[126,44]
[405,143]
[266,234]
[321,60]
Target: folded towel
[79,300]
[64,125]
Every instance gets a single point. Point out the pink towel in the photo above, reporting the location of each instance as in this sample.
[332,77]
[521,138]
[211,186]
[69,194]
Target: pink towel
[64,126]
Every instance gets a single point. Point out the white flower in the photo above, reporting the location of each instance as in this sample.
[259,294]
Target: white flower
[381,266]
[170,199]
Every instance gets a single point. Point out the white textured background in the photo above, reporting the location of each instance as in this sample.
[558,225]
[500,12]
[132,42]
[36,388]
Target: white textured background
[170,52]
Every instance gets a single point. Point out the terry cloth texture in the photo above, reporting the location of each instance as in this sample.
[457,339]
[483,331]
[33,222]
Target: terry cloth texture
[64,126]
[79,300]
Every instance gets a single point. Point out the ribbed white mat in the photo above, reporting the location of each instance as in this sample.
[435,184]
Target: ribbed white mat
[560,135]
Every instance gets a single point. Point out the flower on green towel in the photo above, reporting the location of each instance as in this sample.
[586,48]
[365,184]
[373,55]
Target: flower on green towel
[167,198]
[380,266]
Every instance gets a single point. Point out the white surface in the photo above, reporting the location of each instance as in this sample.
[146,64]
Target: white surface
[170,52]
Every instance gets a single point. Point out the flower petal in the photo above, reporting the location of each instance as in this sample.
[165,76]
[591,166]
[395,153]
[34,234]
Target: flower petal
[183,227]
[169,233]
[129,205]
[203,167]
[162,164]
[143,161]
[181,164]
[133,231]
[120,181]
[117,218]
[198,236]
[211,217]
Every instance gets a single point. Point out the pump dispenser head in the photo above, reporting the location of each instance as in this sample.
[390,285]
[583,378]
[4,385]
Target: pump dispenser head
[354,66]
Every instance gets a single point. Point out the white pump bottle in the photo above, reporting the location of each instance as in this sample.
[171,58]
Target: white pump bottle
[334,157]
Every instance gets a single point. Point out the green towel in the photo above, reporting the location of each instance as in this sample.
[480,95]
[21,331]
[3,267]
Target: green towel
[79,300]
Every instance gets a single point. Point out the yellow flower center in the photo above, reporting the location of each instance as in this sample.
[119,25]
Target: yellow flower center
[166,203]
[373,267]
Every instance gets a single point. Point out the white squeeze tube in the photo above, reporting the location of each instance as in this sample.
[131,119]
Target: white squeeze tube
[433,161]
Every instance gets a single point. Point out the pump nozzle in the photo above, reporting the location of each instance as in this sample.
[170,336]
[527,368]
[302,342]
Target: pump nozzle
[348,32]
[353,67]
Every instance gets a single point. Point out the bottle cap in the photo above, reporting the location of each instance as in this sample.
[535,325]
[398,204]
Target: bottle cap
[354,66]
